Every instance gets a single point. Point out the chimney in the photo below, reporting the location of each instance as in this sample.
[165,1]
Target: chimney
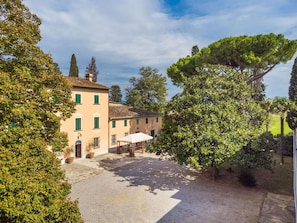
[89,76]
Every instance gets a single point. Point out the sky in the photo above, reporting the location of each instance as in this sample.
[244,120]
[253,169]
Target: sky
[125,35]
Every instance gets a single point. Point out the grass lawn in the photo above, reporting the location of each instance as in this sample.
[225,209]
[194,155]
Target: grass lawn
[274,125]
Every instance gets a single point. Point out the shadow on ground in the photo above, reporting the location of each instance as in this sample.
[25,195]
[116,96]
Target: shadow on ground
[200,199]
[155,173]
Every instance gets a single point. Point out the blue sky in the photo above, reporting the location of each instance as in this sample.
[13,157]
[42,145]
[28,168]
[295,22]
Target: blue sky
[128,34]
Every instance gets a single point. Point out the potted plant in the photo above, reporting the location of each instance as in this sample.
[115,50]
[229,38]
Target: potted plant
[90,152]
[68,151]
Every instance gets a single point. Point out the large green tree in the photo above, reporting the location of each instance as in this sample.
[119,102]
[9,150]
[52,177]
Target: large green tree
[148,91]
[255,55]
[115,93]
[73,71]
[34,98]
[212,119]
[92,68]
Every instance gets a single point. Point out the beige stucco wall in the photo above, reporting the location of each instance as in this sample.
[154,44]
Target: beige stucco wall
[133,127]
[119,130]
[87,110]
[146,128]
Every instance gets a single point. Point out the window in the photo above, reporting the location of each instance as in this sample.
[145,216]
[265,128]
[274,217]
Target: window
[96,142]
[125,122]
[146,120]
[78,124]
[96,122]
[96,99]
[113,124]
[137,121]
[77,98]
[126,133]
[157,119]
[113,139]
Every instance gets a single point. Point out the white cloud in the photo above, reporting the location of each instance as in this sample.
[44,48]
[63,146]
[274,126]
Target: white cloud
[125,35]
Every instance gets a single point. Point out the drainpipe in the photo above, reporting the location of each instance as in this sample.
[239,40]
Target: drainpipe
[295,169]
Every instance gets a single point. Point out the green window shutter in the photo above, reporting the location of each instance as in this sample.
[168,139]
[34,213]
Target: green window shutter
[78,124]
[77,98]
[96,99]
[125,122]
[96,142]
[113,124]
[96,123]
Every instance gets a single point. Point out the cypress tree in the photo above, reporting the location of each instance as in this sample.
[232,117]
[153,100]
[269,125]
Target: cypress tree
[73,72]
[292,115]
[92,68]
[115,93]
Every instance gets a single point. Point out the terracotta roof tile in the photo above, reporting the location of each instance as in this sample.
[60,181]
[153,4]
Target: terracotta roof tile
[84,83]
[117,111]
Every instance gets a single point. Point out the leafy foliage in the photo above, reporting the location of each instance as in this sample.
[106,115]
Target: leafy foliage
[34,98]
[148,91]
[292,115]
[115,93]
[255,55]
[258,153]
[92,68]
[211,120]
[73,71]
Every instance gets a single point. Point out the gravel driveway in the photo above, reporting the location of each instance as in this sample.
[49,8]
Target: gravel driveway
[116,188]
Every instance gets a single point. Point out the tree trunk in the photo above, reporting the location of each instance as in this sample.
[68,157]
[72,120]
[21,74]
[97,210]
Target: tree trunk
[267,123]
[215,173]
[281,143]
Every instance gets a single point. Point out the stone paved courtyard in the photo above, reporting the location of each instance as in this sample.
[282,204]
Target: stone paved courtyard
[116,188]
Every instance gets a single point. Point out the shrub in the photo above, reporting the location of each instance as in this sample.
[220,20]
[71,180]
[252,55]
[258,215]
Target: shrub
[257,153]
[247,179]
[288,144]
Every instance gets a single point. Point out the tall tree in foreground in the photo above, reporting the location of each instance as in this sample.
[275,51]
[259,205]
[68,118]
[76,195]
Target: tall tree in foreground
[212,119]
[115,93]
[148,91]
[73,71]
[33,188]
[92,68]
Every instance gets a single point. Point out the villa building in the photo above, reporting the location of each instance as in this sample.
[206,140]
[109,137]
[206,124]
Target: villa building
[98,123]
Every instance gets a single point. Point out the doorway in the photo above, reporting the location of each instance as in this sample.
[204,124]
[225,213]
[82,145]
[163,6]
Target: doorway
[153,133]
[78,149]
